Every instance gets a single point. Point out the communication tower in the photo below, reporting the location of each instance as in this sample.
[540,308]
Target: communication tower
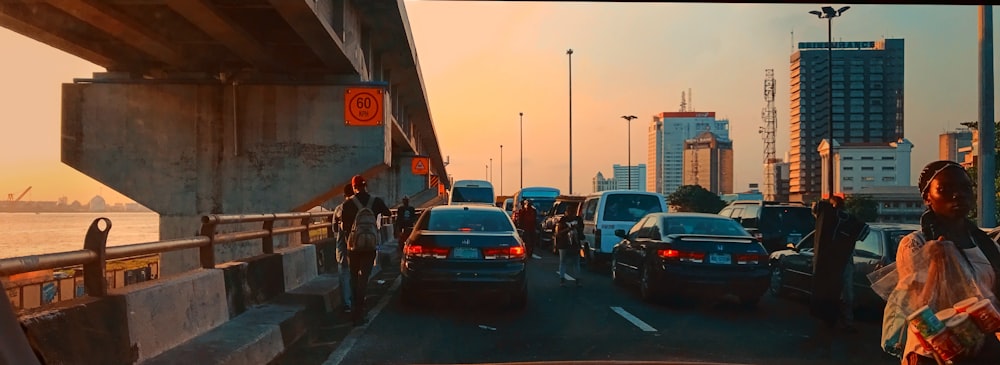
[770,117]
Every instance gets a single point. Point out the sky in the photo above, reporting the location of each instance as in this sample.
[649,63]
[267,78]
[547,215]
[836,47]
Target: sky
[485,62]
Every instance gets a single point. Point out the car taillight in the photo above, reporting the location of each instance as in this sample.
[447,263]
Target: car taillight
[426,251]
[683,256]
[750,259]
[504,253]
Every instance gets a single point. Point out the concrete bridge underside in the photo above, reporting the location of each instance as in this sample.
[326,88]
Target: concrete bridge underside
[235,106]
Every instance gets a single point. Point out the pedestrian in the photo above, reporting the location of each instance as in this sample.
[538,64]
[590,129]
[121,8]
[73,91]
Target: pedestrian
[527,220]
[343,269]
[846,320]
[406,216]
[835,236]
[568,243]
[361,249]
[947,190]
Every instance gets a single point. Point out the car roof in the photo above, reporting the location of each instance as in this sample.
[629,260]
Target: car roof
[689,215]
[466,207]
[768,203]
[609,192]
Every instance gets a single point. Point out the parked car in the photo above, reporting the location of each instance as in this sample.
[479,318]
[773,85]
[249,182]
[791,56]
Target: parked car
[774,224]
[464,248]
[791,269]
[562,204]
[691,253]
[607,211]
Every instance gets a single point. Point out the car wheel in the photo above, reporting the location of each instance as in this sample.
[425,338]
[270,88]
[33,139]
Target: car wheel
[749,302]
[647,288]
[777,287]
[615,276]
[519,298]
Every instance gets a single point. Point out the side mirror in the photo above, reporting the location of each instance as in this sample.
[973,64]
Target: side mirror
[620,233]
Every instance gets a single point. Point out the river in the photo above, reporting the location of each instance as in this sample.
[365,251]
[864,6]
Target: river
[24,234]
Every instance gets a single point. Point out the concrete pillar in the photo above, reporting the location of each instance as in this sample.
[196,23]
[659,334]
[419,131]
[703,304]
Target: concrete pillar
[187,149]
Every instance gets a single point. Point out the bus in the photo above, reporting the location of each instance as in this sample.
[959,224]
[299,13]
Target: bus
[471,192]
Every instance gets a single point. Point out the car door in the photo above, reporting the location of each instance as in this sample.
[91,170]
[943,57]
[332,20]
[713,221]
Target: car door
[629,255]
[589,220]
[798,267]
[869,255]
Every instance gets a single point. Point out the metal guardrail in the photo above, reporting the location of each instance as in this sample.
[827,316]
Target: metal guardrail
[95,253]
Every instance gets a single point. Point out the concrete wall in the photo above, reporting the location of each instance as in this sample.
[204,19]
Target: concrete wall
[185,150]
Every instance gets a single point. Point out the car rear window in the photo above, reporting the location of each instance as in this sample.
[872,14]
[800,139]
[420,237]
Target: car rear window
[467,221]
[471,194]
[786,219]
[707,226]
[630,207]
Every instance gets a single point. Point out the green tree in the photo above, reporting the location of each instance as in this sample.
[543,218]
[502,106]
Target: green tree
[694,198]
[862,206]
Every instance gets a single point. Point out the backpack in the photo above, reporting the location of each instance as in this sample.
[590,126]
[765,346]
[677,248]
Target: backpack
[364,235]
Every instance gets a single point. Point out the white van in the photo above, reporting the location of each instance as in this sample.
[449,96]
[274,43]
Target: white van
[471,192]
[606,211]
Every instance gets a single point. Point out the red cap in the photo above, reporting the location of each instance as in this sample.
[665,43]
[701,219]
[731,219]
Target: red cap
[358,181]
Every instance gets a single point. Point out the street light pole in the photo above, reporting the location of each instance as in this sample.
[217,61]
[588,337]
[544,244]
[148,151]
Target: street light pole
[629,168]
[501,169]
[829,13]
[521,116]
[569,53]
[491,170]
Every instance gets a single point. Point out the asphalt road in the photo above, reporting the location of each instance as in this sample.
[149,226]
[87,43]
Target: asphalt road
[598,321]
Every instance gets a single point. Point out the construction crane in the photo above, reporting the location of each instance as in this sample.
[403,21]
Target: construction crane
[10,197]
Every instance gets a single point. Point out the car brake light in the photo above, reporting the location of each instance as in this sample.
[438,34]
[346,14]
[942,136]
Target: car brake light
[683,256]
[504,253]
[412,250]
[750,258]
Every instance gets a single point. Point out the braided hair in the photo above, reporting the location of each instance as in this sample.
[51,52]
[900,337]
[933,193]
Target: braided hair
[933,169]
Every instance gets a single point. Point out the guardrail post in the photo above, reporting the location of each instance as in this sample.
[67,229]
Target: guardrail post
[207,252]
[304,237]
[93,273]
[268,241]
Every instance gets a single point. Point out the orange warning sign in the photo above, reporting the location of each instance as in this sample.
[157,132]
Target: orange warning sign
[420,165]
[363,106]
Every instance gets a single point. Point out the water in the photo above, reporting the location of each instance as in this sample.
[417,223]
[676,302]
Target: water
[23,234]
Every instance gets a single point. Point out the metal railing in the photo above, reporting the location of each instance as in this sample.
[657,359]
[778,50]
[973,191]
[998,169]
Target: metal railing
[95,254]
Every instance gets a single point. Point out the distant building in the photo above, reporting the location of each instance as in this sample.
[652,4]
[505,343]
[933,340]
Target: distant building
[866,103]
[602,184]
[752,194]
[777,173]
[955,145]
[667,133]
[708,162]
[896,204]
[866,165]
[621,177]
[97,204]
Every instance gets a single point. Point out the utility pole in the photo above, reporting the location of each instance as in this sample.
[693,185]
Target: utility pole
[986,204]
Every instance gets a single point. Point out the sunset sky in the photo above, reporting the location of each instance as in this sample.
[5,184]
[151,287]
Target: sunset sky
[483,62]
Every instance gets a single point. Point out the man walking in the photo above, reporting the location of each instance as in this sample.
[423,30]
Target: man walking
[406,216]
[846,321]
[360,216]
[343,269]
[527,220]
[568,243]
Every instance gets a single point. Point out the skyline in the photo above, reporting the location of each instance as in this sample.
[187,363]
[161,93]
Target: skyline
[508,58]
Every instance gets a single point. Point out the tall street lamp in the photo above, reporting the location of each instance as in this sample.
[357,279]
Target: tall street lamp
[569,53]
[629,168]
[521,116]
[491,170]
[828,13]
[501,169]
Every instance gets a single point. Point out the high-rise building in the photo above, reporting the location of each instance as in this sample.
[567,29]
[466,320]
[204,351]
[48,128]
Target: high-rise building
[602,184]
[638,180]
[708,162]
[866,103]
[667,133]
[954,145]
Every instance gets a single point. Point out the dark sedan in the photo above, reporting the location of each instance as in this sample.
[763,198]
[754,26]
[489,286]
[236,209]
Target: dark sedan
[791,269]
[464,248]
[691,253]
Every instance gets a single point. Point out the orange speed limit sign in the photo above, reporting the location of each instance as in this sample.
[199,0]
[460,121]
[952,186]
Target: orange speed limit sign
[420,165]
[363,106]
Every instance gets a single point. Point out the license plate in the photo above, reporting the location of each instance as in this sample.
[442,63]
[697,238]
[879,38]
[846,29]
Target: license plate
[465,253]
[720,258]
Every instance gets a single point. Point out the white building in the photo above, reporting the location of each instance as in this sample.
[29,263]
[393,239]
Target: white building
[638,177]
[667,133]
[602,184]
[866,165]
[896,204]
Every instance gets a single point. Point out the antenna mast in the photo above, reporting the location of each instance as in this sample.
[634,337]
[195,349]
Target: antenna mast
[683,103]
[770,117]
[690,100]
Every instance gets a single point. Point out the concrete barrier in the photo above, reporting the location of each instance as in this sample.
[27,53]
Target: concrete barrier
[299,265]
[81,331]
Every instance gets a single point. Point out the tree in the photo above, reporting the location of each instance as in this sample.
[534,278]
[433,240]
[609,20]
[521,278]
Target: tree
[862,206]
[694,198]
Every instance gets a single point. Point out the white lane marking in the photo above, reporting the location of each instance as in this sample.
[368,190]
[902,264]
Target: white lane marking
[566,276]
[536,257]
[347,344]
[636,321]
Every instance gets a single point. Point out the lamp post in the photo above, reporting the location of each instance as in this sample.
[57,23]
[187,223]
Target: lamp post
[501,169]
[829,13]
[491,170]
[569,53]
[521,116]
[629,167]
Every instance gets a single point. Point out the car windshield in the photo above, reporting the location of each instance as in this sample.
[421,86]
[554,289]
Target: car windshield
[630,207]
[893,237]
[786,220]
[472,194]
[466,221]
[542,205]
[704,225]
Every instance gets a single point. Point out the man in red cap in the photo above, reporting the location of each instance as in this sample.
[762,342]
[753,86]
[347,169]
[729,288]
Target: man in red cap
[360,261]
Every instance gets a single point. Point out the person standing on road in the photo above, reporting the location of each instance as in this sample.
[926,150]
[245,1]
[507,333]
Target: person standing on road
[568,243]
[406,216]
[343,268]
[361,260]
[836,234]
[846,320]
[527,220]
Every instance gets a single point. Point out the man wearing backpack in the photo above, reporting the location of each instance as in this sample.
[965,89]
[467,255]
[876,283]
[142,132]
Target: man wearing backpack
[343,268]
[360,218]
